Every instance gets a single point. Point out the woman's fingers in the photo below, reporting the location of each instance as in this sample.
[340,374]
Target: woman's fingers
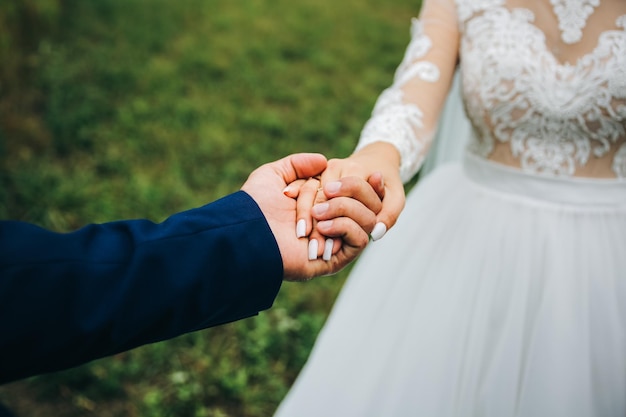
[345,207]
[322,245]
[306,199]
[293,190]
[392,207]
[349,238]
[350,197]
[357,189]
[377,182]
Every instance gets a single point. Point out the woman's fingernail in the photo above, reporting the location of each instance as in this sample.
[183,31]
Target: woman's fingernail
[379,231]
[328,250]
[324,225]
[312,249]
[286,190]
[320,209]
[333,187]
[301,228]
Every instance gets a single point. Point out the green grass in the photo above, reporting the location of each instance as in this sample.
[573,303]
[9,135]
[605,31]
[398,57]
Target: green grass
[114,109]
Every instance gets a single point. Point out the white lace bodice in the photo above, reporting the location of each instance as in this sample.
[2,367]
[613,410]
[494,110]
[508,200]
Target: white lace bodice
[544,84]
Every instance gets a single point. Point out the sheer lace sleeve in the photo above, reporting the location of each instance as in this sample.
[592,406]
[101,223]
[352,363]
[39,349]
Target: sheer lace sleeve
[406,113]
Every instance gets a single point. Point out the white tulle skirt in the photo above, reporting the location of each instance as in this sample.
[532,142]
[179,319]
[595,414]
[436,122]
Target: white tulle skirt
[497,293]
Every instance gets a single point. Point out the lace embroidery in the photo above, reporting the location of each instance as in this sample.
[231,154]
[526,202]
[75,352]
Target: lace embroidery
[555,116]
[619,162]
[466,9]
[617,84]
[397,122]
[572,16]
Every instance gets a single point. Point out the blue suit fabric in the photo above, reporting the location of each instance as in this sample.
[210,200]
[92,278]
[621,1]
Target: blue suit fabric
[68,298]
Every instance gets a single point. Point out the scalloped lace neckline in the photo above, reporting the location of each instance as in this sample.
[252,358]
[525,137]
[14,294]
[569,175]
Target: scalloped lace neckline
[577,62]
[572,16]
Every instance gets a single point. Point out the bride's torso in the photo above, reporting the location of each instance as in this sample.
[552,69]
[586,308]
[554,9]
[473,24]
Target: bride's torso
[543,98]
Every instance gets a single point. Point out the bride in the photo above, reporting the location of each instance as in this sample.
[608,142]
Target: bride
[501,290]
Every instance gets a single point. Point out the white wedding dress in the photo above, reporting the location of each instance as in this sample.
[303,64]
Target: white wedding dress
[501,291]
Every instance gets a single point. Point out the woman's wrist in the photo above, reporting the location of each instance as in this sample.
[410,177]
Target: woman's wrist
[379,156]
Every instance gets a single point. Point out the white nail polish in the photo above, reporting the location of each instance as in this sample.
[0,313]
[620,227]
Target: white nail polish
[328,250]
[312,249]
[333,187]
[379,231]
[301,228]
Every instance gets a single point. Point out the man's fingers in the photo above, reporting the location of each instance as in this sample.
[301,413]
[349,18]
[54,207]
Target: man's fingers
[300,165]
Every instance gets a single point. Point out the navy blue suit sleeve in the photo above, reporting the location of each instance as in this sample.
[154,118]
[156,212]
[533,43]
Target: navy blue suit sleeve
[68,298]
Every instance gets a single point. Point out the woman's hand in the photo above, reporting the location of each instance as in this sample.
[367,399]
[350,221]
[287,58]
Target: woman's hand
[379,158]
[378,164]
[332,207]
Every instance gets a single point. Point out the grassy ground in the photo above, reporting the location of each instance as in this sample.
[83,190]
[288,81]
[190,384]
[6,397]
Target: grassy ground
[115,109]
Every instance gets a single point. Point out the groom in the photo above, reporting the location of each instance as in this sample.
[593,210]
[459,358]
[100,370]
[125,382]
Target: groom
[66,299]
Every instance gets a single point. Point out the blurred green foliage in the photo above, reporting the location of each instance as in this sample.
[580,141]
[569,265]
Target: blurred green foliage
[115,109]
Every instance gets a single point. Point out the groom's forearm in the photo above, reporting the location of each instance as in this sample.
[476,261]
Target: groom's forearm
[69,298]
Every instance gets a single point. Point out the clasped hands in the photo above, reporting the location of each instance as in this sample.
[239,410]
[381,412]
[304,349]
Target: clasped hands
[322,212]
[356,200]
